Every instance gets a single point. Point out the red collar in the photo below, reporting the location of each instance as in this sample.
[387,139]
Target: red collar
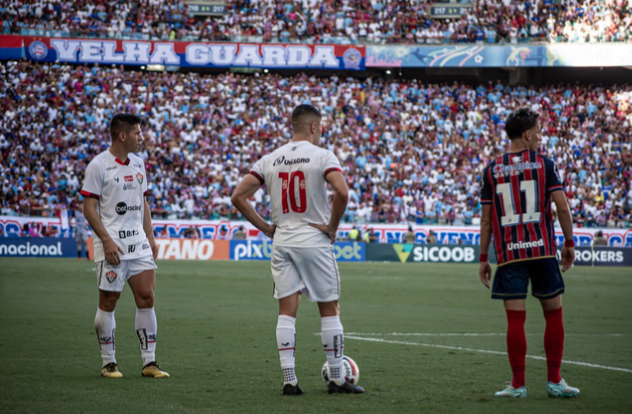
[121,162]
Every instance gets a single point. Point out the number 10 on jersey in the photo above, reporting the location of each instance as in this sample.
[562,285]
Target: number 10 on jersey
[288,185]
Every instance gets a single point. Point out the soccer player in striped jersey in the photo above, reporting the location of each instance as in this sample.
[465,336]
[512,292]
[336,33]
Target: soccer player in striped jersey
[516,194]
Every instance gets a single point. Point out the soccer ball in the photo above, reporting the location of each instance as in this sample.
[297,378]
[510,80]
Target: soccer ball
[351,369]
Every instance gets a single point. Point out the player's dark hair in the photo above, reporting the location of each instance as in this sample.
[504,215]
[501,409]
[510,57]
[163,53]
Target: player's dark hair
[300,114]
[122,123]
[519,121]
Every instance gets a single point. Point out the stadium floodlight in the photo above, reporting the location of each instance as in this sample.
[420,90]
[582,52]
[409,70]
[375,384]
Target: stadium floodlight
[142,68]
[156,68]
[266,71]
[388,72]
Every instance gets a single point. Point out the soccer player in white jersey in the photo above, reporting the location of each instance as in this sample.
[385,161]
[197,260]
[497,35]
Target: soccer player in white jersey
[303,231]
[124,246]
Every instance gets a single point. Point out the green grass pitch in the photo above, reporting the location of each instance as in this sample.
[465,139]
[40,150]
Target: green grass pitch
[421,334]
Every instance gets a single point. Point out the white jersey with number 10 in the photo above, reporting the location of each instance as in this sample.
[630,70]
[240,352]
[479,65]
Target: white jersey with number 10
[295,177]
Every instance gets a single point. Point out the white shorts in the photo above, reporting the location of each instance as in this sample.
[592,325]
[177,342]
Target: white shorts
[112,278]
[81,236]
[310,270]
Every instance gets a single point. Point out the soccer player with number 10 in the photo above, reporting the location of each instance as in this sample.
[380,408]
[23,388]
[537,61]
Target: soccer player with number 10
[304,230]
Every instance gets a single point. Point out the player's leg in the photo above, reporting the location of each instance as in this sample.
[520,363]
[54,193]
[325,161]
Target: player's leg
[110,283]
[331,332]
[548,286]
[511,284]
[84,245]
[286,342]
[319,272]
[142,286]
[287,289]
[78,240]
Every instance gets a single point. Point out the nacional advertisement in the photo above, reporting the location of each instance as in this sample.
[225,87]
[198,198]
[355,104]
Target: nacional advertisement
[262,250]
[195,54]
[398,252]
[48,247]
[494,56]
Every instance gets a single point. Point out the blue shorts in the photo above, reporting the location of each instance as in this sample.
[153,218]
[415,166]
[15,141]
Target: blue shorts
[511,280]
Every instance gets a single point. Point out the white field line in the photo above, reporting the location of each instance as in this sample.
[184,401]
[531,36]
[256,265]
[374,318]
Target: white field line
[469,334]
[485,351]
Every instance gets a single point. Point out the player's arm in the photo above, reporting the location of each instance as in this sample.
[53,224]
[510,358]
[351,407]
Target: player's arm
[566,221]
[110,249]
[149,229]
[246,189]
[485,270]
[341,197]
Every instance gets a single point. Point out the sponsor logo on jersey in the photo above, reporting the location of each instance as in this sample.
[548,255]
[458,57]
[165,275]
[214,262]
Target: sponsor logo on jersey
[525,245]
[122,208]
[111,276]
[291,161]
[128,178]
[128,187]
[128,233]
[116,179]
[145,246]
[515,169]
[114,167]
[139,178]
[131,248]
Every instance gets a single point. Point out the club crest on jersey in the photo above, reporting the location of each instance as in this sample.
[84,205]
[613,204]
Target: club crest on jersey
[139,177]
[111,276]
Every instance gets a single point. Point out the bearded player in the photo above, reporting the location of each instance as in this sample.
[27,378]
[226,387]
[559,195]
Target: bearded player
[516,197]
[304,230]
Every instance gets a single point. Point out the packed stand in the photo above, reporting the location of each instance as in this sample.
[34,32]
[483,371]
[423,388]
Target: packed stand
[329,21]
[410,151]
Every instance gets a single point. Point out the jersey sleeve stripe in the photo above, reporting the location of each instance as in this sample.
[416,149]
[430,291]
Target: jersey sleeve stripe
[331,170]
[486,201]
[555,188]
[258,177]
[88,194]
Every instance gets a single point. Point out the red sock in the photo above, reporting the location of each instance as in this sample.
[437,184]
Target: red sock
[516,345]
[554,344]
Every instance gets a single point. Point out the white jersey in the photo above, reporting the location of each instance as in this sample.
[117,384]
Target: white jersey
[120,188]
[295,177]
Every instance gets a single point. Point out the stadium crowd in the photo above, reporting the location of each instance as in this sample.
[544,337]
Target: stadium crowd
[410,151]
[344,21]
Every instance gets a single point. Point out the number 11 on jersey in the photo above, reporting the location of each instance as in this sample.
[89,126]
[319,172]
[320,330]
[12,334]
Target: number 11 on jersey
[288,185]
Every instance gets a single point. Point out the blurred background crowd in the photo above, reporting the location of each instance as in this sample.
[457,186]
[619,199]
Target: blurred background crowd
[328,21]
[411,151]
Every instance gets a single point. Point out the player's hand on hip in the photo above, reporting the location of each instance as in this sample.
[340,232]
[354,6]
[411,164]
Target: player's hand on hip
[485,273]
[568,258]
[331,233]
[112,251]
[270,231]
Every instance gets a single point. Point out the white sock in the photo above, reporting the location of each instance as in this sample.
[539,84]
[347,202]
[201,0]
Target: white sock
[105,324]
[333,343]
[146,329]
[286,343]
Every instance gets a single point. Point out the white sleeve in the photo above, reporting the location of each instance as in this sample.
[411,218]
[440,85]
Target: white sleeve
[330,163]
[258,170]
[93,181]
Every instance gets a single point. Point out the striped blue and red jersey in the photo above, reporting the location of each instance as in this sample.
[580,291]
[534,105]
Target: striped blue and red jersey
[518,186]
